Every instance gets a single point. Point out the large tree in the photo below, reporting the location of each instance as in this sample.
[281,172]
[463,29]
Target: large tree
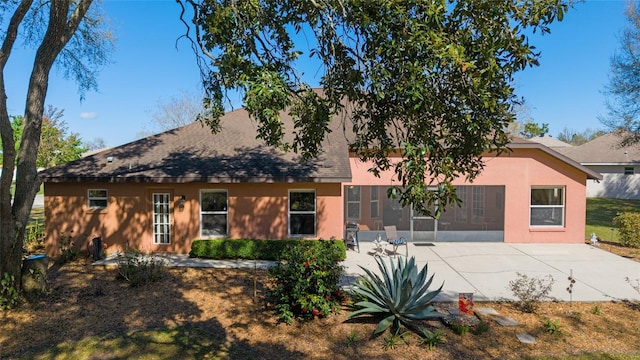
[65,32]
[179,110]
[57,144]
[432,77]
[573,137]
[623,90]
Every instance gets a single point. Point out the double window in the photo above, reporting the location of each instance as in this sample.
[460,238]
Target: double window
[214,213]
[547,206]
[98,198]
[302,213]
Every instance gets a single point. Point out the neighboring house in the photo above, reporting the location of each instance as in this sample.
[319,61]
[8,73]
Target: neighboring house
[619,166]
[162,192]
[550,142]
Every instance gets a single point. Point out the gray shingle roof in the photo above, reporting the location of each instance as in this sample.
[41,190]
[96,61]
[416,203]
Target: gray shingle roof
[549,141]
[192,154]
[605,149]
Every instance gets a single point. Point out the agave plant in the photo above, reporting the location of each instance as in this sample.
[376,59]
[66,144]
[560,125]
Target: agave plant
[400,296]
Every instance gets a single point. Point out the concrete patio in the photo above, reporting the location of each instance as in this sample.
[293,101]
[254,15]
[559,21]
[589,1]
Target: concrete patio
[484,269]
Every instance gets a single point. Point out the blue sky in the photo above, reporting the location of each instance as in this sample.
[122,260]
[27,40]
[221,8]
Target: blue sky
[564,91]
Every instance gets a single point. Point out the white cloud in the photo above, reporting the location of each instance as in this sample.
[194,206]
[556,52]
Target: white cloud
[88,115]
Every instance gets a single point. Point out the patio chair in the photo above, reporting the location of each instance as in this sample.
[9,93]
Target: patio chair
[392,238]
[351,238]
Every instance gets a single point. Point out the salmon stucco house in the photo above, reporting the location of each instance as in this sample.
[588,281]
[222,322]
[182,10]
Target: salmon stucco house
[160,193]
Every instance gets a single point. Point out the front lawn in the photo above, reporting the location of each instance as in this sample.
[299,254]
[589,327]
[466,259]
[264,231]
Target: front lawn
[600,214]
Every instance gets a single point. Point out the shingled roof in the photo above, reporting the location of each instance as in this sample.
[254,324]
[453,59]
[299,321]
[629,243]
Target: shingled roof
[520,143]
[604,150]
[192,153]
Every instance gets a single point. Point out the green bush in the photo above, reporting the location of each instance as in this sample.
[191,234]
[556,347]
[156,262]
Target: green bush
[628,224]
[306,281]
[252,249]
[9,296]
[67,251]
[400,296]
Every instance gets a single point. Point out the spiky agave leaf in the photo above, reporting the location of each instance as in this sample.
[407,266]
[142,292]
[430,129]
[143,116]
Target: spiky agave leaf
[400,294]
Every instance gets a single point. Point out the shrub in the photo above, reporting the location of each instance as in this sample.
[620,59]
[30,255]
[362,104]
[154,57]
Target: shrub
[34,236]
[481,328]
[432,338]
[8,292]
[393,340]
[67,252]
[530,291]
[306,281]
[552,327]
[628,224]
[400,296]
[139,269]
[253,249]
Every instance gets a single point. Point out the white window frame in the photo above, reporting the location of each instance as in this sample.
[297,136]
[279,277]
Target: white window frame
[375,202]
[219,212]
[302,212]
[561,206]
[358,202]
[104,198]
[161,237]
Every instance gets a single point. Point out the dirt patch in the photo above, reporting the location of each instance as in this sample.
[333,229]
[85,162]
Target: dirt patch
[88,301]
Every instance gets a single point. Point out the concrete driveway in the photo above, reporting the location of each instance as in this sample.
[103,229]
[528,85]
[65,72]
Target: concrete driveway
[486,269]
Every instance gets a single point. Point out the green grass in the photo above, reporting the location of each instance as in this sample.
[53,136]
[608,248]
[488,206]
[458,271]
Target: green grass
[170,343]
[600,214]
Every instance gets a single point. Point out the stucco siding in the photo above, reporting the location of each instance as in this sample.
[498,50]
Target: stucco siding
[254,211]
[517,171]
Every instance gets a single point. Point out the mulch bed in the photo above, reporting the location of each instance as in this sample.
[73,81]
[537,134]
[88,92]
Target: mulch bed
[88,301]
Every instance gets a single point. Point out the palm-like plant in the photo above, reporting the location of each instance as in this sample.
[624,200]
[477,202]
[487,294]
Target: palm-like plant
[400,296]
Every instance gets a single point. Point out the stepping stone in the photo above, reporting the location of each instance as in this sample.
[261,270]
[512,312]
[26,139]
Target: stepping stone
[485,311]
[526,338]
[454,311]
[506,321]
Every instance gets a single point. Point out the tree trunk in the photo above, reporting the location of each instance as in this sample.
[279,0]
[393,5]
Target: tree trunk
[15,216]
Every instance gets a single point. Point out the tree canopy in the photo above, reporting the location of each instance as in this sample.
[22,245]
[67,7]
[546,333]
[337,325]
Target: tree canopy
[623,89]
[57,144]
[432,78]
[533,129]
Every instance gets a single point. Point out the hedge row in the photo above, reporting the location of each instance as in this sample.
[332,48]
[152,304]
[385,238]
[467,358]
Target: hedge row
[252,249]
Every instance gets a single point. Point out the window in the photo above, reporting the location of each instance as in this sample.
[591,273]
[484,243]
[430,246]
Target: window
[214,213]
[628,170]
[161,218]
[477,194]
[353,202]
[302,213]
[547,206]
[375,202]
[97,198]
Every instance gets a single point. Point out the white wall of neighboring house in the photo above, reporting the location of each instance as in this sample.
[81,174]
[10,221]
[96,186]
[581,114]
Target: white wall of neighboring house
[615,183]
